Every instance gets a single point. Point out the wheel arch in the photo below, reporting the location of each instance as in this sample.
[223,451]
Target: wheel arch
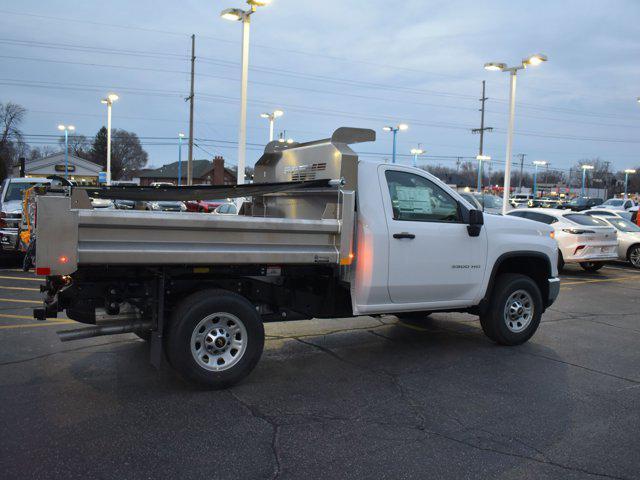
[535,265]
[631,247]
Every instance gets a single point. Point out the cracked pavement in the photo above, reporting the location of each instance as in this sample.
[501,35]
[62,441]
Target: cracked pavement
[345,398]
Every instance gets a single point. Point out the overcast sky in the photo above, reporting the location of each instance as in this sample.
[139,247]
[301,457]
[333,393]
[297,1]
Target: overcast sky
[334,63]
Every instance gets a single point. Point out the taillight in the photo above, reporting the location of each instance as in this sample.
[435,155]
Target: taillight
[3,223]
[577,231]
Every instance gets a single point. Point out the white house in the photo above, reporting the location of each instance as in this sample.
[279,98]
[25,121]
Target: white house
[80,170]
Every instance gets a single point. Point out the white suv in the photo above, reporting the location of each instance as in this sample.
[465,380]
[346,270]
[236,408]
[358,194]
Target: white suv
[581,238]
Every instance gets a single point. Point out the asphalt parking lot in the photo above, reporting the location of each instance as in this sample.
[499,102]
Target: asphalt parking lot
[353,398]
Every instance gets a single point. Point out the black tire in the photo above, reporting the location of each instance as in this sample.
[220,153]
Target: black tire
[633,255]
[560,261]
[493,320]
[591,266]
[186,317]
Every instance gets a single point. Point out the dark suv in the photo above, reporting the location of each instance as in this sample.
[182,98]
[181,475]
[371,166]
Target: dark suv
[579,204]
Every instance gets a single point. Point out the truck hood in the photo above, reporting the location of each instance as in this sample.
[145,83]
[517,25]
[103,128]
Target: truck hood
[511,224]
[13,206]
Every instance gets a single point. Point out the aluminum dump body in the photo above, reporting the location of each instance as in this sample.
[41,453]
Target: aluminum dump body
[313,226]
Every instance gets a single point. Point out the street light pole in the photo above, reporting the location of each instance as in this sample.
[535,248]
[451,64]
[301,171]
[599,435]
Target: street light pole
[480,159]
[533,60]
[584,176]
[394,130]
[66,129]
[244,16]
[108,101]
[416,152]
[536,164]
[626,180]
[180,137]
[272,118]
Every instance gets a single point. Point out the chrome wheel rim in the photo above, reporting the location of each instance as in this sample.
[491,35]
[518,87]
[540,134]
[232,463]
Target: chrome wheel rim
[218,341]
[634,257]
[518,311]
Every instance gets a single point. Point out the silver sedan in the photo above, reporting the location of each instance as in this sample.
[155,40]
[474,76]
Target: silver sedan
[628,239]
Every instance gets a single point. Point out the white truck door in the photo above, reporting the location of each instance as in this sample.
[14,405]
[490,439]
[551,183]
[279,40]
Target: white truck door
[432,257]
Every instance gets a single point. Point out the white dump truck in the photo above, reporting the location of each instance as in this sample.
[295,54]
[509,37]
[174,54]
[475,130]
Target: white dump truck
[321,235]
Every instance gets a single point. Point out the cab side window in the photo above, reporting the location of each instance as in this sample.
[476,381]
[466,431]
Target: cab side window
[414,198]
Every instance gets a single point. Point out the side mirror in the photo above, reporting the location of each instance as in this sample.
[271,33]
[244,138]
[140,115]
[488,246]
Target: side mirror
[476,220]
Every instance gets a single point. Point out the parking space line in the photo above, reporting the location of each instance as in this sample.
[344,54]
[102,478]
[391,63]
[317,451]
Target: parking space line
[29,279]
[5,315]
[48,323]
[598,280]
[15,300]
[24,289]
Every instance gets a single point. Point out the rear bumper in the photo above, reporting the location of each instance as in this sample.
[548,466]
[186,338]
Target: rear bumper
[554,291]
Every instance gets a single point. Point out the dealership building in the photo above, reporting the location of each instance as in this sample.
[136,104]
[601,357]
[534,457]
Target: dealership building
[82,171]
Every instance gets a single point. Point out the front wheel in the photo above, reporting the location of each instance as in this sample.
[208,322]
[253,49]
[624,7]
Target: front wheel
[634,256]
[515,310]
[591,266]
[215,338]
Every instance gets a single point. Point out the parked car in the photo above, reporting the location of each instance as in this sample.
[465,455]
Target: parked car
[205,206]
[484,201]
[581,238]
[102,204]
[545,202]
[618,204]
[607,212]
[166,206]
[628,239]
[578,204]
[520,200]
[226,209]
[124,204]
[11,196]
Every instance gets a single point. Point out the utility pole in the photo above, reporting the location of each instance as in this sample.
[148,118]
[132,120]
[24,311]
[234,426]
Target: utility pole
[191,98]
[481,131]
[521,155]
[458,161]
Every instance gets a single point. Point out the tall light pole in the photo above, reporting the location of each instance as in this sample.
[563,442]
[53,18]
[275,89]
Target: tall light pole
[416,152]
[533,60]
[536,164]
[180,137]
[244,16]
[108,101]
[395,130]
[584,175]
[272,117]
[627,172]
[481,158]
[66,129]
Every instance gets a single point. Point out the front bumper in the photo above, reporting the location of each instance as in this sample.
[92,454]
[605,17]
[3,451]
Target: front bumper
[9,240]
[554,291]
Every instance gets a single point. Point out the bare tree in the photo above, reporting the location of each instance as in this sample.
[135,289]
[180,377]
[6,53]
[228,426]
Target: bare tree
[78,145]
[11,116]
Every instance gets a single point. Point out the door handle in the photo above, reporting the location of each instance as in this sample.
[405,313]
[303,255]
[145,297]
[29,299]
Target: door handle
[404,235]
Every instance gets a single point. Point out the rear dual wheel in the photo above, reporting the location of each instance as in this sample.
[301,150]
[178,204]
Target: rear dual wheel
[215,338]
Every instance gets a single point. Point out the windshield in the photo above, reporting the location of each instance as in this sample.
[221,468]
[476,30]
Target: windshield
[584,220]
[623,225]
[16,190]
[613,202]
[578,201]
